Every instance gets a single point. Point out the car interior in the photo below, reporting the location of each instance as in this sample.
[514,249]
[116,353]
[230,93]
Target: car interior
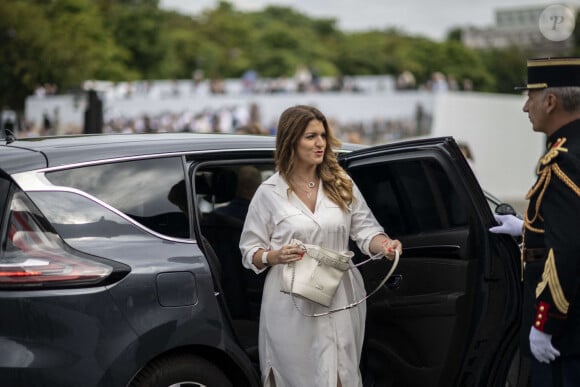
[217,190]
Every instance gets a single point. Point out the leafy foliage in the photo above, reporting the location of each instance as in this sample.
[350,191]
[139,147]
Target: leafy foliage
[66,42]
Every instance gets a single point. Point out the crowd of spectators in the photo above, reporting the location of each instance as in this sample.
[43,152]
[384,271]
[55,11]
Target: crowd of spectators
[236,118]
[241,120]
[249,83]
[437,83]
[305,80]
[227,119]
[45,89]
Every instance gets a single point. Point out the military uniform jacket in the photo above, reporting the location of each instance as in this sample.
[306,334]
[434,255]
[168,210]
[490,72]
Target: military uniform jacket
[552,228]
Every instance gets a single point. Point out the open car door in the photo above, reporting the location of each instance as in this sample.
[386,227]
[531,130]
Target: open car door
[449,316]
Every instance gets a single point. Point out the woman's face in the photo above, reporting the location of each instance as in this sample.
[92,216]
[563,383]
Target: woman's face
[311,145]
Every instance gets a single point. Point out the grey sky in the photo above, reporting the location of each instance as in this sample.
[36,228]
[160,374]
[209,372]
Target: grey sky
[416,17]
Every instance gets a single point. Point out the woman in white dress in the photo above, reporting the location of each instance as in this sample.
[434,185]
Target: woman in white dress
[312,199]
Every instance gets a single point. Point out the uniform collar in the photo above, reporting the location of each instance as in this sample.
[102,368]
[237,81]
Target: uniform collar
[570,130]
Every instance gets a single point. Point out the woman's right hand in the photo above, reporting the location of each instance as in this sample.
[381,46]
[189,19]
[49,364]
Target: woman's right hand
[287,254]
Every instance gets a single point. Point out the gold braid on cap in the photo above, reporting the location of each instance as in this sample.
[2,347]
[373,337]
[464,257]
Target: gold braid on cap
[550,278]
[546,62]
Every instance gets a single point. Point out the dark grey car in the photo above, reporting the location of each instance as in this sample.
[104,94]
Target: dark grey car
[117,270]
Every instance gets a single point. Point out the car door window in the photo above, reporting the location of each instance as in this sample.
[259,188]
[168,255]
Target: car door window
[151,191]
[411,196]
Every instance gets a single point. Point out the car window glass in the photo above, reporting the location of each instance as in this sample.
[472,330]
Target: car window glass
[150,191]
[225,188]
[74,216]
[411,196]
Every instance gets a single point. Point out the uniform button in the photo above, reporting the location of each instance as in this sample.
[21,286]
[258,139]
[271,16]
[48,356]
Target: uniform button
[538,323]
[540,316]
[542,308]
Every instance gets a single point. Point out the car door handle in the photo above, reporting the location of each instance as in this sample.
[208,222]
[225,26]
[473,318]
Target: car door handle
[394,282]
[432,250]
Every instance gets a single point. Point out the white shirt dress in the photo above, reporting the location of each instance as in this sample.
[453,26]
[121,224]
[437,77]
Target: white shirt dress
[308,351]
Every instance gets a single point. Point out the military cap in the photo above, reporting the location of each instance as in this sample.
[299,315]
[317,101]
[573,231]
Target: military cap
[552,72]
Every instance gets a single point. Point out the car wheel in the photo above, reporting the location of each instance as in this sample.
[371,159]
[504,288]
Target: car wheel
[182,371]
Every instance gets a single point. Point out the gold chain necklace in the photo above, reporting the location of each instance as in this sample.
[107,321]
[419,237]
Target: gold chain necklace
[310,186]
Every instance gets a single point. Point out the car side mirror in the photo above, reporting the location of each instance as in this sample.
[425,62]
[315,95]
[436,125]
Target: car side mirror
[505,209]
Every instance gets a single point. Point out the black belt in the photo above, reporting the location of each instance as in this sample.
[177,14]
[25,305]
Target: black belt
[533,255]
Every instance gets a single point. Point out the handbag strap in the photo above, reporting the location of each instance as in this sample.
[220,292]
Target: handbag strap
[331,258]
[352,305]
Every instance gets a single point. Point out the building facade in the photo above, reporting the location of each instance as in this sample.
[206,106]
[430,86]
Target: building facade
[522,27]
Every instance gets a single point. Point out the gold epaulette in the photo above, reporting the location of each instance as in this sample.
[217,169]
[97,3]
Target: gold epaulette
[544,170]
[553,152]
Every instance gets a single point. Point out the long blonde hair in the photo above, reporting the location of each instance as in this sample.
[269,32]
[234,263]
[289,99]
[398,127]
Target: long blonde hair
[291,125]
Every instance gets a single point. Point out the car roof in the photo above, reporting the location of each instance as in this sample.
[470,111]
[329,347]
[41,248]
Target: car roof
[36,153]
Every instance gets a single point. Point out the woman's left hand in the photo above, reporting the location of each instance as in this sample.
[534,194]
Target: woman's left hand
[390,246]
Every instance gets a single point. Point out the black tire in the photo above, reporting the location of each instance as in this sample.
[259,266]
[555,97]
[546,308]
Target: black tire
[183,371]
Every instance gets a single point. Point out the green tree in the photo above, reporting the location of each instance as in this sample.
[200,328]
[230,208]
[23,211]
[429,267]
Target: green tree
[69,41]
[80,47]
[62,42]
[284,39]
[184,45]
[226,34]
[365,53]
[508,67]
[137,27]
[454,34]
[24,35]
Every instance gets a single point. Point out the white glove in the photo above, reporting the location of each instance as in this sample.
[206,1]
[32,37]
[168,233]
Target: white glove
[541,346]
[509,224]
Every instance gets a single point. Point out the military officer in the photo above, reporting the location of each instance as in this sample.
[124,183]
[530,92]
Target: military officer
[551,226]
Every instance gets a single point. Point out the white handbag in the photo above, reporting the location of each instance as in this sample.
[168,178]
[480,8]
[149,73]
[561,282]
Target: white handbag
[317,276]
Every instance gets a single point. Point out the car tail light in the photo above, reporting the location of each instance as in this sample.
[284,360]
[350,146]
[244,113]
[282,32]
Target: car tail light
[35,256]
